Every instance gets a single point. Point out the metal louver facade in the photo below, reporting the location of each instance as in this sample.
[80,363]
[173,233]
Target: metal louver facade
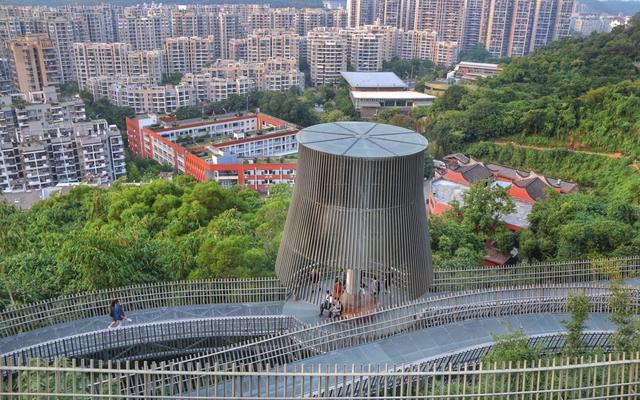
[357,213]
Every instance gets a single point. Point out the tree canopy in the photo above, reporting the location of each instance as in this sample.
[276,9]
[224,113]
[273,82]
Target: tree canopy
[583,91]
[96,238]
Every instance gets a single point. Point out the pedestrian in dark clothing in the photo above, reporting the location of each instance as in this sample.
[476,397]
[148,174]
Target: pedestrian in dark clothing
[117,313]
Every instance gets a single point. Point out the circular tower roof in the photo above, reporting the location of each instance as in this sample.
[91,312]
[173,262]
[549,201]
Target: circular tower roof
[362,139]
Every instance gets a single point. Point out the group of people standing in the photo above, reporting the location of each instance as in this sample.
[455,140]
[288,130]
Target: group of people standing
[331,301]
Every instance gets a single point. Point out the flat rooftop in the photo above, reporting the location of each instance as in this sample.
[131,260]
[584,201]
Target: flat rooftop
[478,65]
[362,139]
[391,95]
[373,80]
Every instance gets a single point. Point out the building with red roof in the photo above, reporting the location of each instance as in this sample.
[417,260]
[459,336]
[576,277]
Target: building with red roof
[457,172]
[236,150]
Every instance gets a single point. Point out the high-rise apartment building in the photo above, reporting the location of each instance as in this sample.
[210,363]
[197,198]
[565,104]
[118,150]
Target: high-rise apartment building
[144,33]
[263,44]
[397,13]
[389,38]
[150,64]
[365,51]
[229,28]
[189,54]
[93,60]
[51,142]
[443,16]
[327,55]
[99,59]
[184,23]
[34,62]
[510,28]
[361,12]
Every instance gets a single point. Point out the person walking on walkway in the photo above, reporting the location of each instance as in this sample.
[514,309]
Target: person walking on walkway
[117,313]
[375,288]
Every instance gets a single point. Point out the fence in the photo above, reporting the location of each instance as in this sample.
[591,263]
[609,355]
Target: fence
[535,274]
[596,377]
[174,294]
[174,335]
[139,297]
[324,338]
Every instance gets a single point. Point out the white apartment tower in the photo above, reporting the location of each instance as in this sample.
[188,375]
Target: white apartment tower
[326,55]
[365,51]
[144,33]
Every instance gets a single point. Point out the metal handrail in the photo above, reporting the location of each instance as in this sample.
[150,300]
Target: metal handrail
[139,297]
[104,342]
[32,316]
[444,309]
[595,377]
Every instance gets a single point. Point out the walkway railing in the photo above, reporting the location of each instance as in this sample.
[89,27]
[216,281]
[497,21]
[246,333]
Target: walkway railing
[183,293]
[535,274]
[313,341]
[181,334]
[139,297]
[595,377]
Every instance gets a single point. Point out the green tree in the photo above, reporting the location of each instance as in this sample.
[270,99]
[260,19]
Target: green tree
[477,54]
[333,116]
[627,337]
[512,346]
[484,204]
[578,306]
[69,89]
[183,113]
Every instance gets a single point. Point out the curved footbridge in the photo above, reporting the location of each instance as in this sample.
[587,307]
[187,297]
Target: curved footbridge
[209,327]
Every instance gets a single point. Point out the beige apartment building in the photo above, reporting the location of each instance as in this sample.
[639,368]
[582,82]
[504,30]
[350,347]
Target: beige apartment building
[327,55]
[33,62]
[365,51]
[263,44]
[93,60]
[189,54]
[361,12]
[275,74]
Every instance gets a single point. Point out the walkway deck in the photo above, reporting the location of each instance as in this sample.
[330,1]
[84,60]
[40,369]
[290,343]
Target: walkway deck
[138,317]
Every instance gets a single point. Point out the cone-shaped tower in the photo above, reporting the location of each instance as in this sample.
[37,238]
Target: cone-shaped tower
[358,216]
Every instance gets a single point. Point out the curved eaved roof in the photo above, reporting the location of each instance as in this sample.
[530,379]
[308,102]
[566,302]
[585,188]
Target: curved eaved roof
[362,139]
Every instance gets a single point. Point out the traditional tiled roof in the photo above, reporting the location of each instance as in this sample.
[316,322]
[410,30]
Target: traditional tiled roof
[534,184]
